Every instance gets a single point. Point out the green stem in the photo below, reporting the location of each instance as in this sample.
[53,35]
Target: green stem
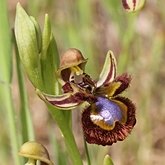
[31,162]
[68,135]
[87,152]
[26,122]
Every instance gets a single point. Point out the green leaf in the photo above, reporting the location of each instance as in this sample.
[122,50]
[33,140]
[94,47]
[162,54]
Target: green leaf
[49,59]
[38,33]
[27,42]
[46,36]
[25,117]
[41,67]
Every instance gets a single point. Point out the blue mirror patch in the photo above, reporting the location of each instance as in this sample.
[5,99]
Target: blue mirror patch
[107,110]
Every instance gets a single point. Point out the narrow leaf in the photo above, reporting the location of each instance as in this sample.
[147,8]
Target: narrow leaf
[49,59]
[46,36]
[38,33]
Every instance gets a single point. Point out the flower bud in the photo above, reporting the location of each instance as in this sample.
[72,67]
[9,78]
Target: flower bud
[133,5]
[35,151]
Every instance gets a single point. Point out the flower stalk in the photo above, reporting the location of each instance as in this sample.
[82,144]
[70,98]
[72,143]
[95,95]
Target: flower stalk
[31,162]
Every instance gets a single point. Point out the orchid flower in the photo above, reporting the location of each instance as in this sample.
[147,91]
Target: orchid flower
[107,117]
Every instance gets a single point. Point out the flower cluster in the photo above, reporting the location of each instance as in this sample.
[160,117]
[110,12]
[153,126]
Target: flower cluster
[107,117]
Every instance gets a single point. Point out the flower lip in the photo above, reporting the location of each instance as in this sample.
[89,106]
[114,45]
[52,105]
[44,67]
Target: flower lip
[97,135]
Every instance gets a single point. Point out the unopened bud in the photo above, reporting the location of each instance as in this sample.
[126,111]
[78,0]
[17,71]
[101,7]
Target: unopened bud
[133,5]
[35,151]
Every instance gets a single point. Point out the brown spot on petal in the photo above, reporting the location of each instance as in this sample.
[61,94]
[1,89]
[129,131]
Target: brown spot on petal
[95,134]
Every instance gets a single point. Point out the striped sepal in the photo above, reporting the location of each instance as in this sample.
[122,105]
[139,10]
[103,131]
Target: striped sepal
[108,72]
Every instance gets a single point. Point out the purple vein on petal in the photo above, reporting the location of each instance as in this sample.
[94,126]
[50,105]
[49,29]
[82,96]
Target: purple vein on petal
[134,4]
[125,4]
[108,72]
[68,100]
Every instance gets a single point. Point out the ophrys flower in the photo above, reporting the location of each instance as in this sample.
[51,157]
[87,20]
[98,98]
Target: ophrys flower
[107,116]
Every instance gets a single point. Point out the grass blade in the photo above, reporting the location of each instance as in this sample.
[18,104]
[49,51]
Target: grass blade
[5,80]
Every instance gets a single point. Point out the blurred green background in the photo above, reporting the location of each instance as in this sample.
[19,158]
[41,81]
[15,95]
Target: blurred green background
[94,27]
